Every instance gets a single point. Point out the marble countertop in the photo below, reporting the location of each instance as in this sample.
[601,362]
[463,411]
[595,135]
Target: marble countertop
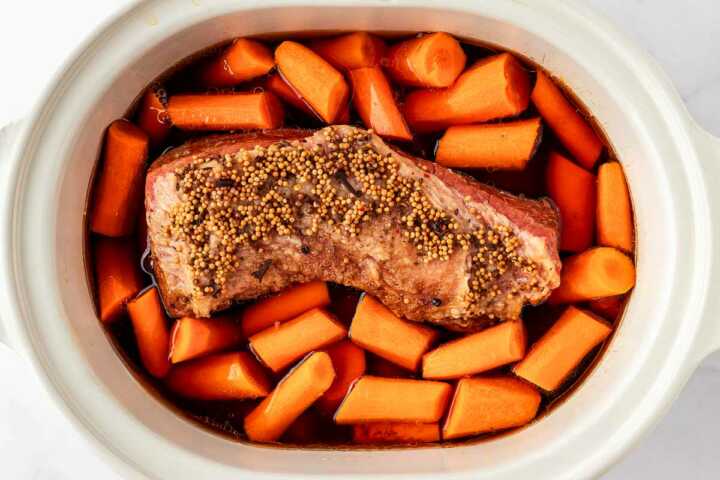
[684,37]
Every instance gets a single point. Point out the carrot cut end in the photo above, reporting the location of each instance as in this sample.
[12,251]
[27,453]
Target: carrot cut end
[433,60]
[350,51]
[378,399]
[117,277]
[573,190]
[322,86]
[553,358]
[227,376]
[376,329]
[375,102]
[118,191]
[596,273]
[508,146]
[278,347]
[482,405]
[614,211]
[477,352]
[195,337]
[571,128]
[149,324]
[292,396]
[284,306]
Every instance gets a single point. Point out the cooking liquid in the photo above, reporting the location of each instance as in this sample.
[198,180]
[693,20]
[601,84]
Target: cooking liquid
[314,430]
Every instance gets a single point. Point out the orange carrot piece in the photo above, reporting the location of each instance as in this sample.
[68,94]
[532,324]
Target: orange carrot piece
[614,213]
[116,275]
[573,191]
[609,308]
[374,101]
[554,357]
[151,333]
[279,346]
[478,352]
[292,396]
[392,432]
[118,190]
[313,78]
[354,50]
[225,376]
[152,116]
[596,273]
[226,111]
[243,60]
[564,120]
[496,87]
[195,337]
[433,60]
[489,404]
[284,306]
[284,92]
[349,364]
[378,399]
[506,146]
[377,329]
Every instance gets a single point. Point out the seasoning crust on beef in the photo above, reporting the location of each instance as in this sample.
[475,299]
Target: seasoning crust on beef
[235,217]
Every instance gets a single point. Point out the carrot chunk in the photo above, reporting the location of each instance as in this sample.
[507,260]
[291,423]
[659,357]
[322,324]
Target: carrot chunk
[573,190]
[225,376]
[433,60]
[151,332]
[496,87]
[195,337]
[349,364]
[506,146]
[393,432]
[596,273]
[292,396]
[243,60]
[152,116]
[554,357]
[374,101]
[118,191]
[116,275]
[354,50]
[284,92]
[279,346]
[565,121]
[609,308]
[226,111]
[377,329]
[489,404]
[614,213]
[284,306]
[478,352]
[378,399]
[315,80]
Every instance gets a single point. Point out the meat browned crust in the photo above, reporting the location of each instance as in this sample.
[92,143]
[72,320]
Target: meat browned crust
[235,217]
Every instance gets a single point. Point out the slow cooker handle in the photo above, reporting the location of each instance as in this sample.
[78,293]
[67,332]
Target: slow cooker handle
[708,340]
[8,135]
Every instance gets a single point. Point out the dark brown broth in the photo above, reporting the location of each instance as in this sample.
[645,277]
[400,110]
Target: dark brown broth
[316,431]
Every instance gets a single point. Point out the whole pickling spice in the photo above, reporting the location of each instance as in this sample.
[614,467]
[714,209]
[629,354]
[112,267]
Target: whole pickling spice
[294,188]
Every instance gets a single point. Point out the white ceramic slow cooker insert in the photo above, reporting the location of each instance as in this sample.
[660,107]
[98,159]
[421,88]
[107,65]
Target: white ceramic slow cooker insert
[672,166]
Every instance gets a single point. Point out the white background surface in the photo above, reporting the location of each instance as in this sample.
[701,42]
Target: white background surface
[35,37]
